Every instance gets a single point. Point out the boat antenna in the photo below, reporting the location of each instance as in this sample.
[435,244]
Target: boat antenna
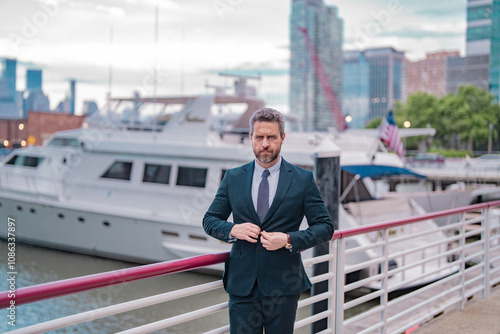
[182,60]
[155,86]
[110,68]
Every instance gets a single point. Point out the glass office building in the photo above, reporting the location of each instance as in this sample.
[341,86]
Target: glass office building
[373,82]
[11,101]
[33,80]
[8,78]
[483,37]
[325,31]
[356,89]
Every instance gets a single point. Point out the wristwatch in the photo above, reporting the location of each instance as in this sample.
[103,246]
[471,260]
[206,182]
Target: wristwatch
[288,244]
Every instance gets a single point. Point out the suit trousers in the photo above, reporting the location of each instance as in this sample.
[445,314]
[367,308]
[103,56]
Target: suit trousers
[254,313]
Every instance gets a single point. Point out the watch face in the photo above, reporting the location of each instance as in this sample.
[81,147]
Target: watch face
[288,246]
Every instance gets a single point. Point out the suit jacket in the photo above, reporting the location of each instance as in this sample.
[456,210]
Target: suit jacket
[278,272]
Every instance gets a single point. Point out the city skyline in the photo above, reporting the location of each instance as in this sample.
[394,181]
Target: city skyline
[198,39]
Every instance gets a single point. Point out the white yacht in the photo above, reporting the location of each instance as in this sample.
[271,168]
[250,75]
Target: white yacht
[138,193]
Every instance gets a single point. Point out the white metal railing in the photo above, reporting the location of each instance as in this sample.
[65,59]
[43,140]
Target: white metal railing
[437,282]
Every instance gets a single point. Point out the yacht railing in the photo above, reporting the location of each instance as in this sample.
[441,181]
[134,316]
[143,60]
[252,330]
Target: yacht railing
[393,291]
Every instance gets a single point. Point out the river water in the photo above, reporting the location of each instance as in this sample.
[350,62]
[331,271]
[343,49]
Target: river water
[36,265]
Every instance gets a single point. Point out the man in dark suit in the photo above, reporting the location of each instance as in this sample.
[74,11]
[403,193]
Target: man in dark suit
[268,198]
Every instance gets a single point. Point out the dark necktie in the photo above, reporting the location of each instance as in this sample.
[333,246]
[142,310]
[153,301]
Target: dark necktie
[263,196]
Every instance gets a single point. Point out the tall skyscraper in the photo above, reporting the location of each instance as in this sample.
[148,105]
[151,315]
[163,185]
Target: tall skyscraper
[356,89]
[11,101]
[33,80]
[35,99]
[386,79]
[8,78]
[470,70]
[315,30]
[428,75]
[483,37]
[373,83]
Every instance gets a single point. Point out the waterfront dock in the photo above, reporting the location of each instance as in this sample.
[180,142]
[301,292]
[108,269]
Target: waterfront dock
[480,316]
[466,286]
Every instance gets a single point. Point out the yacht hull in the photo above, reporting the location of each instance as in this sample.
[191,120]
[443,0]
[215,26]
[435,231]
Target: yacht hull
[116,236]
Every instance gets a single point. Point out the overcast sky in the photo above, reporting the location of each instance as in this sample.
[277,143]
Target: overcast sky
[197,39]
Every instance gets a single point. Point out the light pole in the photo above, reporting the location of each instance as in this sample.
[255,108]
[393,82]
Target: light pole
[490,139]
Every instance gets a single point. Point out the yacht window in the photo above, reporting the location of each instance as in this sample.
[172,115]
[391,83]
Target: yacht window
[223,172]
[192,177]
[119,170]
[25,160]
[156,173]
[61,141]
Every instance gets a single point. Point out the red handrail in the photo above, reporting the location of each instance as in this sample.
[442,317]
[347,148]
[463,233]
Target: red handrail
[349,232]
[84,283]
[79,284]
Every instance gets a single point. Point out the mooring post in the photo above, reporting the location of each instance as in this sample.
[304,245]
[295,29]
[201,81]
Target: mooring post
[327,172]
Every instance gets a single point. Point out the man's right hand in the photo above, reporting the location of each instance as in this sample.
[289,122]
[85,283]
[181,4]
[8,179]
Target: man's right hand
[246,231]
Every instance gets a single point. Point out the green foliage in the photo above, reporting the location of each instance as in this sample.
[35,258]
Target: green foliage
[462,118]
[451,153]
[374,123]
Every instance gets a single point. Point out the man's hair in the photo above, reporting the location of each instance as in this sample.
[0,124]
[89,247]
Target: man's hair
[268,115]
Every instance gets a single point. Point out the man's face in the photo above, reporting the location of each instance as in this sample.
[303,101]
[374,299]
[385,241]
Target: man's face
[266,142]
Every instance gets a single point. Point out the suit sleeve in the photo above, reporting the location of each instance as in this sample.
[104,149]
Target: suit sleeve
[215,220]
[320,224]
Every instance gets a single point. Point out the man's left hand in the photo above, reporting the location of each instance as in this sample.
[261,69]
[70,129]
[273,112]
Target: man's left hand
[273,240]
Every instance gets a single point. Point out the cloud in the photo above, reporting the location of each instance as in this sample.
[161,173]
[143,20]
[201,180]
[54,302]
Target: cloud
[196,42]
[255,69]
[115,11]
[439,30]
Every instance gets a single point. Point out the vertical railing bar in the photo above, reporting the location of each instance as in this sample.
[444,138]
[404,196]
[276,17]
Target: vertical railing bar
[486,246]
[332,301]
[385,269]
[461,279]
[339,288]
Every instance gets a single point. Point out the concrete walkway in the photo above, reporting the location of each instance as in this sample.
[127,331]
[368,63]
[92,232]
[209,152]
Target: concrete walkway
[481,316]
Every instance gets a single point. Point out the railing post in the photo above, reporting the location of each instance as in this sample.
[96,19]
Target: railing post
[332,284]
[339,287]
[384,298]
[486,249]
[327,170]
[462,242]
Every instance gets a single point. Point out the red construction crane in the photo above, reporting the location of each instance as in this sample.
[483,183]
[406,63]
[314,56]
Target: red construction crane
[324,81]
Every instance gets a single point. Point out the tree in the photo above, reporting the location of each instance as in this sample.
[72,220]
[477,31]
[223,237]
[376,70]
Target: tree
[459,119]
[374,123]
[475,112]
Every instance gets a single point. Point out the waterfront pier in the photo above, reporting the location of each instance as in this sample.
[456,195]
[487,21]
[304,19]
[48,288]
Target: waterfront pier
[402,293]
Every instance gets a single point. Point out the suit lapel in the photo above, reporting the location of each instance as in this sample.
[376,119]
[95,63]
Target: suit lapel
[284,182]
[247,191]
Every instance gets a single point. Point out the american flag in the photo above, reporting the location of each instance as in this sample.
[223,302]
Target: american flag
[389,133]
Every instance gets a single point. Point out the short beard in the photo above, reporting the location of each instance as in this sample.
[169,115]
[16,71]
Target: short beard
[274,157]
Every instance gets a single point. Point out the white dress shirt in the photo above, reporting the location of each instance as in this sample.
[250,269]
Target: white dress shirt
[273,178]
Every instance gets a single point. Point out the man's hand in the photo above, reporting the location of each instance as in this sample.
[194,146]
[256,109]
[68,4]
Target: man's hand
[246,231]
[273,240]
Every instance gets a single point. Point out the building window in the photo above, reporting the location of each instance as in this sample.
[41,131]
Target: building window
[24,160]
[156,173]
[119,170]
[61,141]
[192,177]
